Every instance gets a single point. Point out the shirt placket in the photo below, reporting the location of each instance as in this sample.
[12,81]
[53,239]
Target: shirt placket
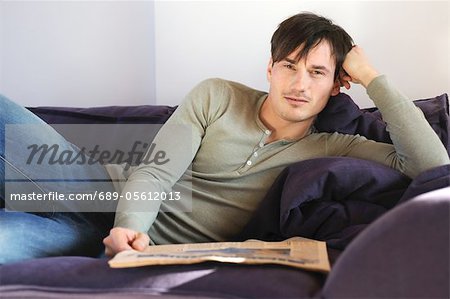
[256,153]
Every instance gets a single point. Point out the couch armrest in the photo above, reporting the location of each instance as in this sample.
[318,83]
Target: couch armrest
[405,253]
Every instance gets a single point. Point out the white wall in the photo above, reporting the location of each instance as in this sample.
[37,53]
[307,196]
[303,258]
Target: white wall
[91,53]
[77,53]
[409,41]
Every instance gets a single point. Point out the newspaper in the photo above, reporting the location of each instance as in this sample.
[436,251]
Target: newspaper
[296,252]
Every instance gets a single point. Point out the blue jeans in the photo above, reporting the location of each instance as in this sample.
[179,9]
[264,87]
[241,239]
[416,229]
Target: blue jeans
[26,235]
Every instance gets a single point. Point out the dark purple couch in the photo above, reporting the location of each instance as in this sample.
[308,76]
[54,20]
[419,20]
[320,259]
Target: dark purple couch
[384,240]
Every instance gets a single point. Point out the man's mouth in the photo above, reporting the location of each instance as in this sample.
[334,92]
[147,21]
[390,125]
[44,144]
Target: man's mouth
[296,100]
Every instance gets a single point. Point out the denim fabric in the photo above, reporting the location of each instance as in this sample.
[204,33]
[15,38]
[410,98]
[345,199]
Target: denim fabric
[25,235]
[31,235]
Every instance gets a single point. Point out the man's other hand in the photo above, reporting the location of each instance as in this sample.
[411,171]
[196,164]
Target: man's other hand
[357,68]
[121,239]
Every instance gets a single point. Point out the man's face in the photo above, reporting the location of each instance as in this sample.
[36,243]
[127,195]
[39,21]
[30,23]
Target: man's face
[300,90]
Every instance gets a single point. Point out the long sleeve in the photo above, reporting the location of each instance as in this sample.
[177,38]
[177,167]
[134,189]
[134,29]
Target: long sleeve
[180,140]
[416,147]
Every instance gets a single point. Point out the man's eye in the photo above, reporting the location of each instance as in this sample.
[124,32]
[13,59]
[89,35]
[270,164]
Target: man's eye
[317,73]
[289,66]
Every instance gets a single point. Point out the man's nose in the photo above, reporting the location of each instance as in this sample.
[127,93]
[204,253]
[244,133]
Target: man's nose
[300,80]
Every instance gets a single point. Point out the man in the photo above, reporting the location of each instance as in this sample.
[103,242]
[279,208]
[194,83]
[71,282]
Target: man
[243,138]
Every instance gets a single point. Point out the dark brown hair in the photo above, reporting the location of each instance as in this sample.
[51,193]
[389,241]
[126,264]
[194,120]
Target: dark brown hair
[308,30]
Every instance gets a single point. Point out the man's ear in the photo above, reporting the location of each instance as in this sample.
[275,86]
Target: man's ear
[336,88]
[269,70]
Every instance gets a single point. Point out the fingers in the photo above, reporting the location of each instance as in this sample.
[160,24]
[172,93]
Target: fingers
[358,67]
[117,241]
[109,252]
[121,239]
[344,79]
[140,242]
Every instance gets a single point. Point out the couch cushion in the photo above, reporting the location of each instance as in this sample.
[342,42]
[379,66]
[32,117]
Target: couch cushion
[404,254]
[342,115]
[212,280]
[331,199]
[143,114]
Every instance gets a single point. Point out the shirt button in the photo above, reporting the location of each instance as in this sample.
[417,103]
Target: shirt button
[261,144]
[255,154]
[267,132]
[249,162]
